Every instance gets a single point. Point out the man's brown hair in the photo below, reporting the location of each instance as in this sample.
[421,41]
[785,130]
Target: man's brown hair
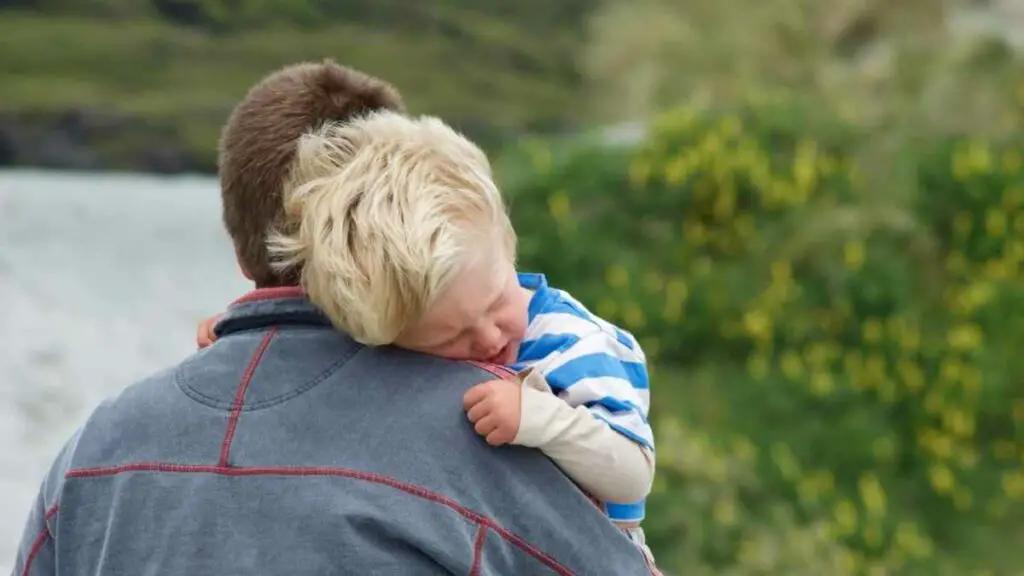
[258,143]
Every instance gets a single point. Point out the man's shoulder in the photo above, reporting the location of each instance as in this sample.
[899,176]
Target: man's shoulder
[196,393]
[390,423]
[121,425]
[390,363]
[141,397]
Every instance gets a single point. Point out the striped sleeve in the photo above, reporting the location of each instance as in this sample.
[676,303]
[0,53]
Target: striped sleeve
[605,373]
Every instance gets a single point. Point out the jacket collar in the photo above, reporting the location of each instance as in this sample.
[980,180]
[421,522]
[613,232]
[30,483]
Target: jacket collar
[265,307]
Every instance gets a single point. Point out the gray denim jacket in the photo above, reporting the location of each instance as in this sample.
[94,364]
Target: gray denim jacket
[287,448]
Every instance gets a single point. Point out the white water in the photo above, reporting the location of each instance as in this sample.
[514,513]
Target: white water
[102,281]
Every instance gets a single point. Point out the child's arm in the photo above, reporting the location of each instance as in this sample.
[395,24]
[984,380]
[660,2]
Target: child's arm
[605,463]
[594,425]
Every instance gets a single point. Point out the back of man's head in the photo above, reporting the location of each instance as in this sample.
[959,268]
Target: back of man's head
[258,143]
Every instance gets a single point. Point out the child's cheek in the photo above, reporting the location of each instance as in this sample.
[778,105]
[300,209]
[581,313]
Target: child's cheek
[464,349]
[519,316]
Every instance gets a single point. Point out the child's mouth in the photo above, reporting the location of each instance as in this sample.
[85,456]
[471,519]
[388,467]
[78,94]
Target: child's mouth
[502,356]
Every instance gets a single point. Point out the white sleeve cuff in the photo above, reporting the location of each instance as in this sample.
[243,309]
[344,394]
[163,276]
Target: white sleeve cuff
[608,465]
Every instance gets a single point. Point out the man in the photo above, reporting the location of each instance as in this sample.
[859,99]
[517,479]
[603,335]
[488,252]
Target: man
[287,448]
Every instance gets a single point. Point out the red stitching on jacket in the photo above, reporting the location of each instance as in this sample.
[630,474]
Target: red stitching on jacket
[501,372]
[412,489]
[37,544]
[243,386]
[478,550]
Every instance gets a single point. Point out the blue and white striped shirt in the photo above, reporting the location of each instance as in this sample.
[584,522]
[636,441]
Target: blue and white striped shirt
[588,361]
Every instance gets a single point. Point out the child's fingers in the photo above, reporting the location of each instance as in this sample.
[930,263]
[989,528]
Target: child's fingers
[501,435]
[202,341]
[480,410]
[475,395]
[486,425]
[203,336]
[204,332]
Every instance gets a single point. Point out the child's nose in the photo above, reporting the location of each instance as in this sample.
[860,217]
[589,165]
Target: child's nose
[491,340]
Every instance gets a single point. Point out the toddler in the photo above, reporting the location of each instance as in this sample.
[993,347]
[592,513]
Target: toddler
[404,240]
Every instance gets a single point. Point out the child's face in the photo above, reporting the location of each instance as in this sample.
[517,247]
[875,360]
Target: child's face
[482,316]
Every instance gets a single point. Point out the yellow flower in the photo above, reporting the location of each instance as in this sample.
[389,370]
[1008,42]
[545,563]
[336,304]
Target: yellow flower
[995,223]
[910,374]
[757,324]
[822,383]
[804,164]
[872,536]
[958,422]
[908,537]
[731,127]
[540,155]
[743,450]
[846,517]
[979,157]
[617,276]
[607,308]
[676,293]
[1018,410]
[785,460]
[872,330]
[791,365]
[559,206]
[853,255]
[976,295]
[634,317]
[964,337]
[941,478]
[1013,484]
[872,495]
[677,171]
[724,512]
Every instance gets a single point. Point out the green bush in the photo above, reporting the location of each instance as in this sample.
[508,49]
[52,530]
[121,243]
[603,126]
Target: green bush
[854,358]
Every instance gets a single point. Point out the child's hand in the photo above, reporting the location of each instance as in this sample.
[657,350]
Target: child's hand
[205,335]
[494,408]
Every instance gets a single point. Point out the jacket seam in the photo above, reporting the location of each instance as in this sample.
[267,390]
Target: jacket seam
[412,489]
[478,550]
[37,544]
[218,404]
[243,387]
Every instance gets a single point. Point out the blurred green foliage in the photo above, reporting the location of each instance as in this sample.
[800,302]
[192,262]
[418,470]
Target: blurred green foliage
[837,387]
[883,64]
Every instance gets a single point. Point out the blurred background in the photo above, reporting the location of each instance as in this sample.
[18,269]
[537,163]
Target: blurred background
[811,213]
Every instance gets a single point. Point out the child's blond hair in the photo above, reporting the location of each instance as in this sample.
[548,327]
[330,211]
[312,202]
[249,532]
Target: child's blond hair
[382,213]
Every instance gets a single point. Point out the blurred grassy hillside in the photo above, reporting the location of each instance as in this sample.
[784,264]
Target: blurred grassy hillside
[145,84]
[494,69]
